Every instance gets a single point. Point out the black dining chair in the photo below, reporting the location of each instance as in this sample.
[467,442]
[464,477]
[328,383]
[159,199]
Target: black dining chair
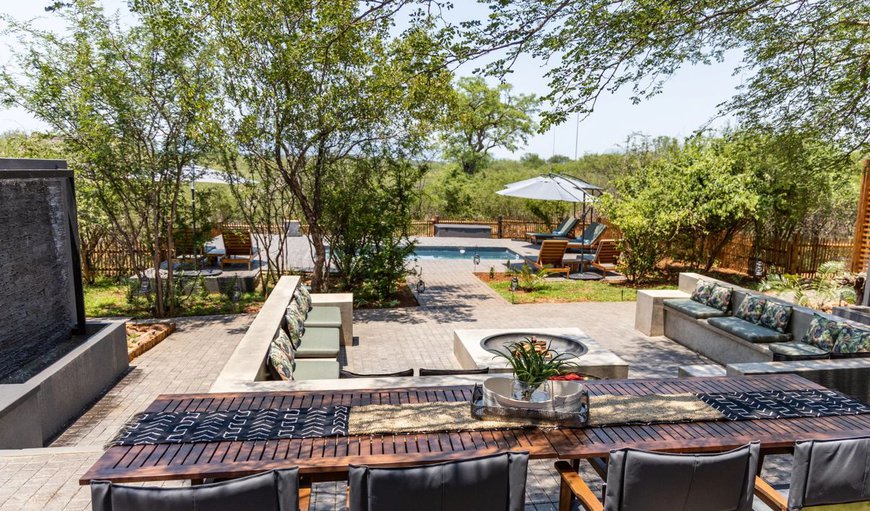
[651,481]
[277,490]
[491,483]
[349,374]
[452,372]
[825,473]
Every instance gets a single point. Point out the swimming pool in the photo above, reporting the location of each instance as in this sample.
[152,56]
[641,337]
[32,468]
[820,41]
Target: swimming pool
[486,253]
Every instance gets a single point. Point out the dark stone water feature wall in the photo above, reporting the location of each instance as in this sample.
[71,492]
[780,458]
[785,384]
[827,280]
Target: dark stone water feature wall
[37,291]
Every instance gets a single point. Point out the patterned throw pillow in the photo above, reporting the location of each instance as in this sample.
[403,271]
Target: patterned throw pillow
[282,342]
[720,298]
[303,298]
[703,290]
[295,330]
[775,316]
[822,333]
[852,339]
[294,314]
[281,363]
[751,308]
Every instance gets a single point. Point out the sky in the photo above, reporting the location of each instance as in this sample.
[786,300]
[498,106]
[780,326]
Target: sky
[689,99]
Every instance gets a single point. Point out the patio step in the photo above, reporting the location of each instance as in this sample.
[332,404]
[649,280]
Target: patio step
[701,370]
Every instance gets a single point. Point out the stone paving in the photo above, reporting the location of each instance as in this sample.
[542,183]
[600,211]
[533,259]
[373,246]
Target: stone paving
[388,340]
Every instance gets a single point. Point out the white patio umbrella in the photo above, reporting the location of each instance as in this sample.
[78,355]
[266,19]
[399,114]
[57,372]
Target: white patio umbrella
[553,187]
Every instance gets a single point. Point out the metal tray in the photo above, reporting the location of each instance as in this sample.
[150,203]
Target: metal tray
[573,418]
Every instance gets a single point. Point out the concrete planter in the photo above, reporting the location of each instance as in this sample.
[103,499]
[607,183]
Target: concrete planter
[34,412]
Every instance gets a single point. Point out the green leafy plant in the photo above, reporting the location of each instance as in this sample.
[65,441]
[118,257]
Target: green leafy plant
[491,272]
[529,279]
[829,287]
[533,365]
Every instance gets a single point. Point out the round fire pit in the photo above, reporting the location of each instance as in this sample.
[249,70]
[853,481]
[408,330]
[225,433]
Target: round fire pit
[559,343]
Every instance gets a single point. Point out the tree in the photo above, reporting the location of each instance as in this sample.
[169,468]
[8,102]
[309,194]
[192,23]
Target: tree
[483,118]
[807,63]
[314,84]
[131,105]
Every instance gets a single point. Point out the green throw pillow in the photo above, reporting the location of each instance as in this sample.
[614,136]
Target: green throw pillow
[281,363]
[822,333]
[703,290]
[852,339]
[751,308]
[303,298]
[282,342]
[720,298]
[775,316]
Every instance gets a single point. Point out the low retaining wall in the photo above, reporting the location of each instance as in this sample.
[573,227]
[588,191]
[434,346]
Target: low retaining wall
[34,412]
[849,376]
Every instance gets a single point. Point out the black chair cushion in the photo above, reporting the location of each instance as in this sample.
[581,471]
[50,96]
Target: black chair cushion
[649,481]
[277,490]
[830,472]
[493,483]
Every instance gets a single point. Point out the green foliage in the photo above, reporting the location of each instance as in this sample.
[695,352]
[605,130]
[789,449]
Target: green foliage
[533,367]
[482,118]
[529,279]
[367,217]
[830,286]
[805,62]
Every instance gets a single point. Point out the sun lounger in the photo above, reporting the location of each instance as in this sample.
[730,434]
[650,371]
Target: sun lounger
[563,231]
[587,241]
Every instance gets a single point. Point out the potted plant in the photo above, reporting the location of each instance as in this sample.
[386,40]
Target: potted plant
[533,363]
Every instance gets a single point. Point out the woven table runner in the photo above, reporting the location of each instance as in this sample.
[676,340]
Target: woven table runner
[322,422]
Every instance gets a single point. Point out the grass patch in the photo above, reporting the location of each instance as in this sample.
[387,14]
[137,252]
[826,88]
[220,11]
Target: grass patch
[566,291]
[108,298]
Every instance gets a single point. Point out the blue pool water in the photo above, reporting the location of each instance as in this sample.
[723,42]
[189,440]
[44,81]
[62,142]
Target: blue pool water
[486,253]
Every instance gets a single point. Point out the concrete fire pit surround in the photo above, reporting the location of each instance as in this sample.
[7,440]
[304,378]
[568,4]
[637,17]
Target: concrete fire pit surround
[598,361]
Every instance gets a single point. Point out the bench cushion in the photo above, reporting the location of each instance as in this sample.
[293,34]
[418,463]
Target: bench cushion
[692,308]
[323,316]
[319,343]
[748,331]
[316,369]
[796,351]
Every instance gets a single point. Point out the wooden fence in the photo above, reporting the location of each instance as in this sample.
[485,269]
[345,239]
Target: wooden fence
[798,256]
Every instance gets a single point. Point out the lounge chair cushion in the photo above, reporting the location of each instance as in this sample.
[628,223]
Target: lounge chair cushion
[276,490]
[751,308]
[852,340]
[692,308]
[775,316]
[316,369]
[720,298]
[822,333]
[702,291]
[748,331]
[322,316]
[319,343]
[796,350]
[492,483]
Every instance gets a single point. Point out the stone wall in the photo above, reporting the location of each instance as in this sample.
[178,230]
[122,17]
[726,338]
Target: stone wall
[37,301]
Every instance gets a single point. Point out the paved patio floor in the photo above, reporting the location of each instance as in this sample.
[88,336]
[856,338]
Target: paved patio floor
[387,340]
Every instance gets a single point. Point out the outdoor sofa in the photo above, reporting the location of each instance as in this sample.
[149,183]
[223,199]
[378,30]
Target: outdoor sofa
[730,324]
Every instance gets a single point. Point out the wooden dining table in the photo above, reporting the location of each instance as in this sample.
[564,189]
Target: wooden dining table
[325,459]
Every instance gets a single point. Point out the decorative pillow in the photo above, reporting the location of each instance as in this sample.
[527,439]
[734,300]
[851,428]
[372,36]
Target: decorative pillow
[282,342]
[303,298]
[282,365]
[775,316]
[751,308]
[720,298]
[294,313]
[295,330]
[822,333]
[702,291]
[852,339]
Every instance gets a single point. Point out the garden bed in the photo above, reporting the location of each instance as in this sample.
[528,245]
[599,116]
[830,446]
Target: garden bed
[557,290]
[141,337]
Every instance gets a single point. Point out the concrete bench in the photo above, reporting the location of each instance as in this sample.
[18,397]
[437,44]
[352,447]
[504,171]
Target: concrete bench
[344,303]
[850,376]
[649,316]
[701,370]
